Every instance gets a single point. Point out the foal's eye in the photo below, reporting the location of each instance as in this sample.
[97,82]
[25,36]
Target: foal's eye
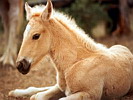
[36,36]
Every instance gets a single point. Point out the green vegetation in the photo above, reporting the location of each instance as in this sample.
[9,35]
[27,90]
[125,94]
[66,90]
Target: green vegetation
[87,13]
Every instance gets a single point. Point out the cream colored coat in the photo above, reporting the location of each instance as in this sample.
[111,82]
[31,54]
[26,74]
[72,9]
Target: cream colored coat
[85,70]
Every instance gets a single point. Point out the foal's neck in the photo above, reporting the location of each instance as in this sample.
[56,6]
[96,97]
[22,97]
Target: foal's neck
[66,48]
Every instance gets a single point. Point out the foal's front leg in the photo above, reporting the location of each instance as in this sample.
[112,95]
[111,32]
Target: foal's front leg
[27,92]
[52,94]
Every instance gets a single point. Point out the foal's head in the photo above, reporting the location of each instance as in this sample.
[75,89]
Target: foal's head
[37,39]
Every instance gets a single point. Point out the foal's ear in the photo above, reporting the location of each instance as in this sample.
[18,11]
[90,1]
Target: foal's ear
[28,11]
[46,14]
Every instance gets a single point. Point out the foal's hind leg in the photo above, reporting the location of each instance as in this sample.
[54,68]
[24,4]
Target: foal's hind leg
[27,92]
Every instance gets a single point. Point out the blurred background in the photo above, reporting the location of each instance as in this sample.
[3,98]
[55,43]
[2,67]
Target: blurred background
[109,22]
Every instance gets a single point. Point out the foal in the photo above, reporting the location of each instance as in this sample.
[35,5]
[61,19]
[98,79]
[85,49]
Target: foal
[85,70]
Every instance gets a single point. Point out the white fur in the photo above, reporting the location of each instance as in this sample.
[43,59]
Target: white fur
[27,92]
[27,30]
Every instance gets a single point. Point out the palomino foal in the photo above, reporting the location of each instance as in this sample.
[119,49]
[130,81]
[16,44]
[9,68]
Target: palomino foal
[85,70]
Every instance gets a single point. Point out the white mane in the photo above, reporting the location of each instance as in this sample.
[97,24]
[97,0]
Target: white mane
[68,21]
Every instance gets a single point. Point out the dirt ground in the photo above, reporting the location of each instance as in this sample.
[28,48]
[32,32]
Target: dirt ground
[45,75]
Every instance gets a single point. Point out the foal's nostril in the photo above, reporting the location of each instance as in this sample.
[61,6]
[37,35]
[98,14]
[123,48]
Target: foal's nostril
[26,64]
[19,65]
[23,66]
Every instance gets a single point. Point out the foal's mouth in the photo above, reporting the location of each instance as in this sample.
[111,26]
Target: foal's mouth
[23,66]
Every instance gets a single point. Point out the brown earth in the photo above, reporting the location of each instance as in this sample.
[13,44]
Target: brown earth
[45,76]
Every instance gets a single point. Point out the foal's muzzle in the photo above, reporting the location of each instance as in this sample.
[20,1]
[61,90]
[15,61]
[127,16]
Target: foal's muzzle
[23,66]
